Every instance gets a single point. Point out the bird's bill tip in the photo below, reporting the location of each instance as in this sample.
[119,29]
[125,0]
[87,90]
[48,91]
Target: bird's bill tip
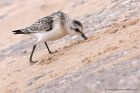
[83,35]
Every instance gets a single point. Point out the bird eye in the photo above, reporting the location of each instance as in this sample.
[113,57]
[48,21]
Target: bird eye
[77,30]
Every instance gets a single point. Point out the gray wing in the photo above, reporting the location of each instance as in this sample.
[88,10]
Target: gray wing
[44,24]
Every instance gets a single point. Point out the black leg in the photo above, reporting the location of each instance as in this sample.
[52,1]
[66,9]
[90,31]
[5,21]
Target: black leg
[48,48]
[31,61]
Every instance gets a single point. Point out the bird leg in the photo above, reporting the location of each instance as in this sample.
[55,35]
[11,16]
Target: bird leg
[49,49]
[31,61]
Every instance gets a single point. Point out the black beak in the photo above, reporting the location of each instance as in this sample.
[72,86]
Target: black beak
[83,35]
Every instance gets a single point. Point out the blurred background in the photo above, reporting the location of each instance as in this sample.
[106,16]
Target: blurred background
[108,62]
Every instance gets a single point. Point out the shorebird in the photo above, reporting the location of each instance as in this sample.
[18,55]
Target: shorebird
[52,27]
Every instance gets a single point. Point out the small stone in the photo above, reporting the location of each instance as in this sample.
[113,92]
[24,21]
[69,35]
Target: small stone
[98,82]
[135,62]
[125,53]
[121,81]
[25,51]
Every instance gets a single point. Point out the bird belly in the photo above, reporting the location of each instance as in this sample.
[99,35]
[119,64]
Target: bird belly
[51,35]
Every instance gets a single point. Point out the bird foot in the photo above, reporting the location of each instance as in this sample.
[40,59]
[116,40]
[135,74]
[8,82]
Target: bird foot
[32,62]
[53,52]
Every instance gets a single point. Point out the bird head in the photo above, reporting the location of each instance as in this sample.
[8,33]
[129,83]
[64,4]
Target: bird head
[77,28]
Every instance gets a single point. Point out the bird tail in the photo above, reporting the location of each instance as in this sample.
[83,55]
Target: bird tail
[18,32]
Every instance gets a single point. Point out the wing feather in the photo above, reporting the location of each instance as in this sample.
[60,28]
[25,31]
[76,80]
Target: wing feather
[44,24]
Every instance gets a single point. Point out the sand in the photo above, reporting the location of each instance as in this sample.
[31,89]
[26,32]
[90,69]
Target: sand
[112,40]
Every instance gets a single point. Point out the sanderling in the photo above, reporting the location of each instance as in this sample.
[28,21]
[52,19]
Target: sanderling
[52,27]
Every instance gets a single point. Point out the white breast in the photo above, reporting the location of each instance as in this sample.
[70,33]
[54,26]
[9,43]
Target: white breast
[56,33]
